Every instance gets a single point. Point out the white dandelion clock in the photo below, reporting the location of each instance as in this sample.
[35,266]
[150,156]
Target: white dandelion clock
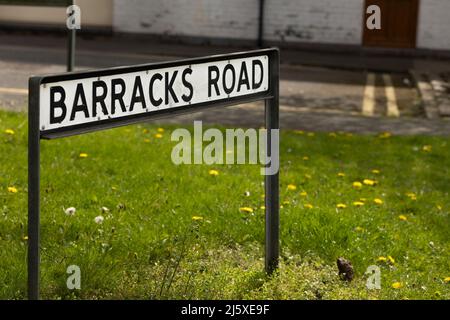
[70,211]
[99,219]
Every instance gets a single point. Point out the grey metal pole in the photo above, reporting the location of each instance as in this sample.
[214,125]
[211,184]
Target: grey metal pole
[33,188]
[71,47]
[71,50]
[272,181]
[261,24]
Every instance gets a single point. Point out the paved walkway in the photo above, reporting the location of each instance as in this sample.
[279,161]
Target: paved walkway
[252,115]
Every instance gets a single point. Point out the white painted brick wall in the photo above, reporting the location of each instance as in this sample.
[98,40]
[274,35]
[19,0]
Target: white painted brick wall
[330,21]
[314,21]
[229,19]
[434,24]
[322,21]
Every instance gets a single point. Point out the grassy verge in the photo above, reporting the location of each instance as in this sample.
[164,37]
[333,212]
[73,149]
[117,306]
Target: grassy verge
[178,232]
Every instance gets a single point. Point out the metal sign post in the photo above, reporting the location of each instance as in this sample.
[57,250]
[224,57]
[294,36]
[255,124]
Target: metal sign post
[71,38]
[272,181]
[80,102]
[71,49]
[34,155]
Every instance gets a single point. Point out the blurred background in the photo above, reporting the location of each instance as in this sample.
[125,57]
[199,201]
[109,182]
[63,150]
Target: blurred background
[337,74]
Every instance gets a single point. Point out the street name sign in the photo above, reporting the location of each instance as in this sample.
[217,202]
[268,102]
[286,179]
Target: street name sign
[79,102]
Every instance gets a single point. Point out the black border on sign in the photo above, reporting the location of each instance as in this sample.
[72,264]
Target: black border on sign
[136,118]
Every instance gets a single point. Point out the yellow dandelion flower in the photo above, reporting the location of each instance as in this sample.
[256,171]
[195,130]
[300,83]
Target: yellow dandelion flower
[378,201]
[145,131]
[382,259]
[359,229]
[357,185]
[308,206]
[341,206]
[447,279]
[439,207]
[25,237]
[358,203]
[12,189]
[402,217]
[197,218]
[391,260]
[160,130]
[263,207]
[376,171]
[9,131]
[286,202]
[363,199]
[83,155]
[292,187]
[146,140]
[341,174]
[397,285]
[411,195]
[213,172]
[303,193]
[369,182]
[281,207]
[246,209]
[158,136]
[427,148]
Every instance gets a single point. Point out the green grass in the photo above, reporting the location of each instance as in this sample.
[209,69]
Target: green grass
[149,247]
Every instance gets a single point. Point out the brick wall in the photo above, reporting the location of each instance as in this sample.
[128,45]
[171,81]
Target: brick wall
[434,24]
[289,21]
[227,19]
[322,21]
[330,21]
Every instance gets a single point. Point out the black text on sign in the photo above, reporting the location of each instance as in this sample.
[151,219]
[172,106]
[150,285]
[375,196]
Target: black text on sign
[75,102]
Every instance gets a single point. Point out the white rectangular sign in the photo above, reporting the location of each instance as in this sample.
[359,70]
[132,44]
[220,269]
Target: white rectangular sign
[76,102]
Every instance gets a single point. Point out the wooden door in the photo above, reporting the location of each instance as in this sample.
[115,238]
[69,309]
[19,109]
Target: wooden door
[398,24]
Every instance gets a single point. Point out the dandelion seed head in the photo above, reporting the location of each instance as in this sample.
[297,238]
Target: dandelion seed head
[99,219]
[70,211]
